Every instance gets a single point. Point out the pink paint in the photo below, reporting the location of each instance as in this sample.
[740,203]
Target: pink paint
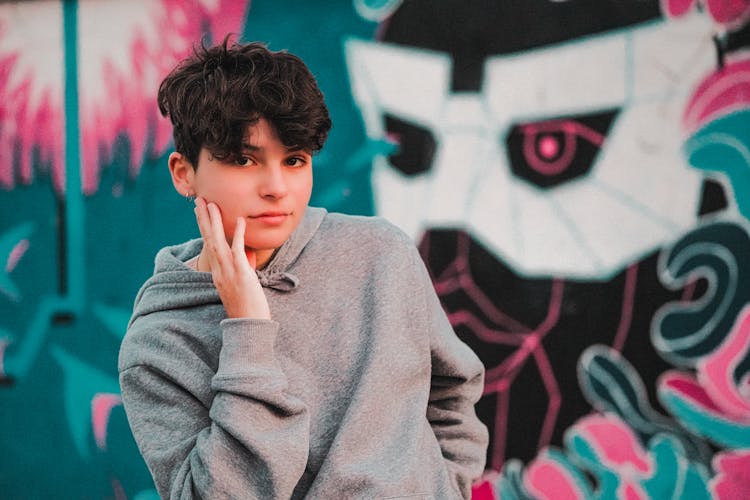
[118,103]
[676,8]
[723,92]
[626,311]
[549,147]
[28,124]
[616,444]
[716,372]
[545,478]
[500,378]
[15,255]
[457,276]
[555,397]
[686,387]
[101,408]
[505,331]
[467,318]
[571,131]
[730,13]
[631,490]
[118,490]
[732,479]
[483,490]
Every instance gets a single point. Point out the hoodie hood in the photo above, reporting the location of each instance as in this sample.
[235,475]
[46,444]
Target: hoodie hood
[174,285]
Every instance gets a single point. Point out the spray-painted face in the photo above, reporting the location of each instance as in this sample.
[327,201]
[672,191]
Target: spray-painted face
[567,162]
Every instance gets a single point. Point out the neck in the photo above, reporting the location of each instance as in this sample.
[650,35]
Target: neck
[262,257]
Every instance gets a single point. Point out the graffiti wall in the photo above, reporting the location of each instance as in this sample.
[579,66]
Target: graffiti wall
[576,174]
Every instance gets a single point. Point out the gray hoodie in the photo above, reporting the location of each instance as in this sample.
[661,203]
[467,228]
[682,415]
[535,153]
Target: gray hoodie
[358,388]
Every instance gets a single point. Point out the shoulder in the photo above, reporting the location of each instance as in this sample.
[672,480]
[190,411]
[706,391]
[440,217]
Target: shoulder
[353,243]
[359,230]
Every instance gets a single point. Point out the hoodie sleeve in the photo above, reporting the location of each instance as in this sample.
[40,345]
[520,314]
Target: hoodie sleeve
[457,384]
[242,436]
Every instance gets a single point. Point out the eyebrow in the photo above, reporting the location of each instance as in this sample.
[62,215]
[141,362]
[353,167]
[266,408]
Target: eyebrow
[289,149]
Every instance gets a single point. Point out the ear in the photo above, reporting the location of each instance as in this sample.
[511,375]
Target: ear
[183,174]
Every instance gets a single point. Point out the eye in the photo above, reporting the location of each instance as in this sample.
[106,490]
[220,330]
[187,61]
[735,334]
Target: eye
[551,152]
[416,146]
[243,161]
[296,161]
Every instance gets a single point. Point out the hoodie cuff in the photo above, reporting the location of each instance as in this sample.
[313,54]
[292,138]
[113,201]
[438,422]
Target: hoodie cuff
[247,343]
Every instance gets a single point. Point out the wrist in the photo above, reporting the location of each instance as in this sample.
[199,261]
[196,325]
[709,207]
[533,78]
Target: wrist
[248,313]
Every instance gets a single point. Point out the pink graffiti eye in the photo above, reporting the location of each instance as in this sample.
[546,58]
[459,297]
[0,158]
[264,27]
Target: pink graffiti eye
[550,152]
[549,146]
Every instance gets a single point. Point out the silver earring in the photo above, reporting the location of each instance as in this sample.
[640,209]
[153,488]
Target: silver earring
[190,197]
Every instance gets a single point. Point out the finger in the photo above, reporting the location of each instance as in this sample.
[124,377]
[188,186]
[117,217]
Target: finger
[201,215]
[238,242]
[218,237]
[204,226]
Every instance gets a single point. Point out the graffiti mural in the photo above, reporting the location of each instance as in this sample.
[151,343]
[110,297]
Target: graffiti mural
[575,173]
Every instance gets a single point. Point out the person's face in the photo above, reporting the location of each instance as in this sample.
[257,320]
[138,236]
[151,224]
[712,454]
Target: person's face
[269,186]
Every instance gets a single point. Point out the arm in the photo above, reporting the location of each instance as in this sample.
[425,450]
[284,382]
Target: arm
[242,437]
[457,384]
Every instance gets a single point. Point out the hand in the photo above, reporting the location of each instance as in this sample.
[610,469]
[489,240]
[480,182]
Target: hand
[232,268]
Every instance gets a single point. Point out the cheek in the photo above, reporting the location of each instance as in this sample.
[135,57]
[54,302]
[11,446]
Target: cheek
[303,188]
[228,207]
[229,213]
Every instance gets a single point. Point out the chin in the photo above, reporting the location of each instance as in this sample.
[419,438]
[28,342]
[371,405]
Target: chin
[266,243]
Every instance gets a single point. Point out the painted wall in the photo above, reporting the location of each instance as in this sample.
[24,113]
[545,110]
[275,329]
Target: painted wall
[576,174]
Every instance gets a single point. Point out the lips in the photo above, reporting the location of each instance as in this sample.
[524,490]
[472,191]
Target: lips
[271,218]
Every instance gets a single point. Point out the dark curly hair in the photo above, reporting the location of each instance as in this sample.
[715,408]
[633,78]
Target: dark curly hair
[214,95]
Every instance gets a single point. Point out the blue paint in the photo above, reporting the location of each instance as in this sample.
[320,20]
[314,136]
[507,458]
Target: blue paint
[74,213]
[724,146]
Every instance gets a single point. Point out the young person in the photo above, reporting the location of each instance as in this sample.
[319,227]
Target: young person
[288,352]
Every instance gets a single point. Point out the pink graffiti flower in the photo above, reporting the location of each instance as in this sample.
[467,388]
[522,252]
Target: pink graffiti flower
[729,13]
[101,408]
[732,480]
[546,477]
[611,444]
[482,489]
[713,402]
[716,372]
[721,93]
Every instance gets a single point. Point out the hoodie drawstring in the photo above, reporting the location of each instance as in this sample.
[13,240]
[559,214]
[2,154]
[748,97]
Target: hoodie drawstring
[282,281]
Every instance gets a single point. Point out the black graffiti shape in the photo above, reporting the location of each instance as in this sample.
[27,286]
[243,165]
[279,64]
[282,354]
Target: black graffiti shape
[472,30]
[720,254]
[416,146]
[493,310]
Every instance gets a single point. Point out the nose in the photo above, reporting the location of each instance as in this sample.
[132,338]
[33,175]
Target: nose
[273,185]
